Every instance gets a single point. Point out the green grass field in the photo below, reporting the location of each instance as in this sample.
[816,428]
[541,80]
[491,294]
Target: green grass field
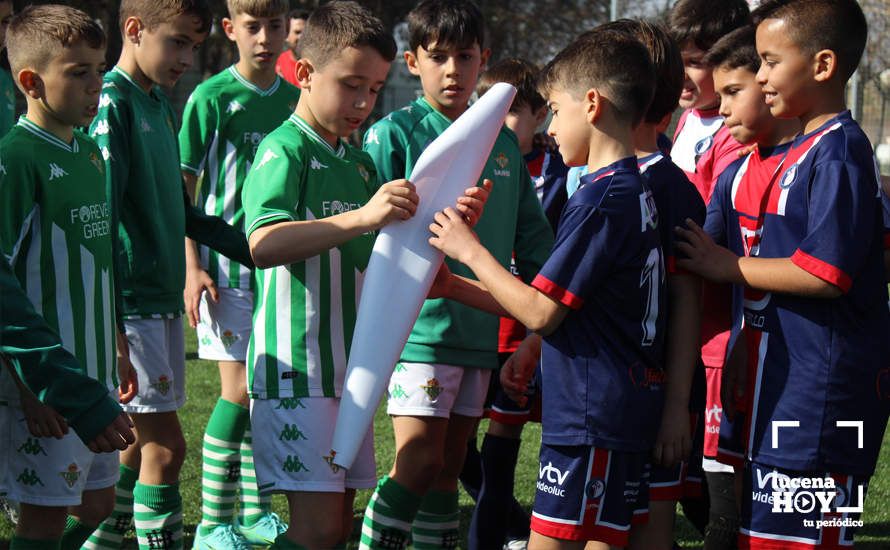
[203,390]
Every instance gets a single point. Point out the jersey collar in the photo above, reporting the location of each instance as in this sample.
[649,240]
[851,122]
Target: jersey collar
[46,136]
[340,152]
[840,118]
[621,165]
[643,163]
[136,85]
[253,87]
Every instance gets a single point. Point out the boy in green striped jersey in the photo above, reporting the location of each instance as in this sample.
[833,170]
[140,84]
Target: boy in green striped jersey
[312,205]
[436,393]
[224,121]
[55,232]
[135,129]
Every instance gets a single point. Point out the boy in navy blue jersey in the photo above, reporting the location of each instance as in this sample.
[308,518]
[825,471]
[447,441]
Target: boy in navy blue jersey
[676,200]
[597,300]
[821,320]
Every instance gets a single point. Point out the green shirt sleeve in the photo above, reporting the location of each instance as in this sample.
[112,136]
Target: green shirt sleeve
[48,370]
[110,129]
[534,237]
[199,119]
[386,143]
[274,186]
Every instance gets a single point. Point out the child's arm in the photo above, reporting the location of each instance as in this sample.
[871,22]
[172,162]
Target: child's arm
[42,420]
[287,242]
[719,264]
[532,308]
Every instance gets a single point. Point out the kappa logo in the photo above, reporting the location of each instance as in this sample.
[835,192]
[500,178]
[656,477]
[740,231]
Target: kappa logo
[290,404]
[56,171]
[105,100]
[268,156]
[30,478]
[398,392]
[71,475]
[31,446]
[315,164]
[293,464]
[291,432]
[102,128]
[433,389]
[234,107]
[2,168]
[372,137]
[106,154]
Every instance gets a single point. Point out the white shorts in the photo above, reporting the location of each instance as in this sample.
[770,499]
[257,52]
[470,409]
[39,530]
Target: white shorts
[225,326]
[53,472]
[292,449]
[157,351]
[432,389]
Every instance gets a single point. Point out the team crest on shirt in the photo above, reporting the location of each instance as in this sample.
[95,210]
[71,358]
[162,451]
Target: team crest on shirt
[503,161]
[71,475]
[228,338]
[788,177]
[363,172]
[703,145]
[433,389]
[100,166]
[162,385]
[145,126]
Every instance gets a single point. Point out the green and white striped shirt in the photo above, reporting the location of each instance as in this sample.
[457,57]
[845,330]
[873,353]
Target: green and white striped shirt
[55,231]
[304,313]
[223,123]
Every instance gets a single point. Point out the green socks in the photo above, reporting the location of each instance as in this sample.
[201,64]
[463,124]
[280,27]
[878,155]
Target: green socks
[76,533]
[110,534]
[388,517]
[253,504]
[18,543]
[221,463]
[157,513]
[437,521]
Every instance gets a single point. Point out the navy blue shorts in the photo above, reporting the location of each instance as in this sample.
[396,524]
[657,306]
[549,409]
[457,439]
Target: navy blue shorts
[586,493]
[779,514]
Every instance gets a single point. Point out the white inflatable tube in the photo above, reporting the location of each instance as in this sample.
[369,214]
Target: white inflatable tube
[403,265]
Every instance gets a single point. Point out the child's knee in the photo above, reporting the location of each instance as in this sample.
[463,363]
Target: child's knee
[41,522]
[94,511]
[418,466]
[165,452]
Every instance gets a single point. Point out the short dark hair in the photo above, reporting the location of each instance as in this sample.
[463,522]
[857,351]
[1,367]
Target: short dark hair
[298,14]
[704,22]
[38,33]
[612,61]
[341,24]
[836,25]
[520,73]
[735,50]
[666,61]
[257,8]
[156,12]
[457,23]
